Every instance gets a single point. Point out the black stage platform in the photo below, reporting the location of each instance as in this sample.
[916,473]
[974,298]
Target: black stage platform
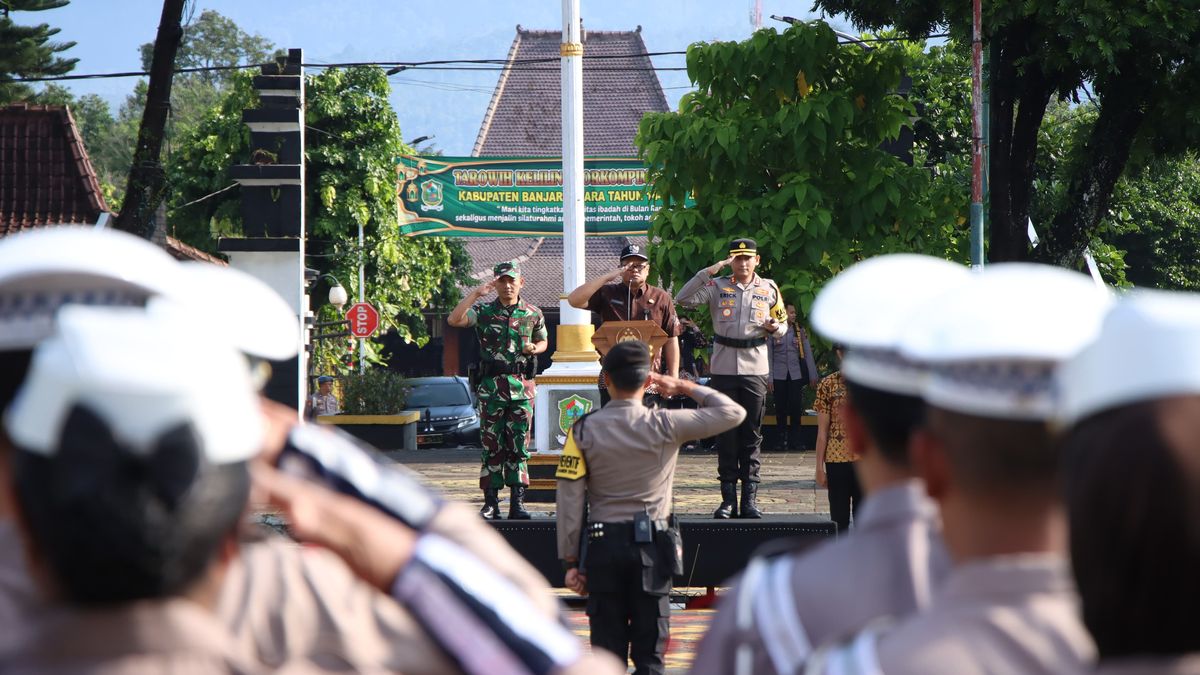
[713,550]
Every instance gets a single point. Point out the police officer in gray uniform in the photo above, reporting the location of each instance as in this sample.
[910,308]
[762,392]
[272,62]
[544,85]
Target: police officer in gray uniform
[889,564]
[620,462]
[986,456]
[746,309]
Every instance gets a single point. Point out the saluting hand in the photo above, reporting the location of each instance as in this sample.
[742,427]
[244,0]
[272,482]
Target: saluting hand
[712,271]
[618,274]
[485,289]
[670,386]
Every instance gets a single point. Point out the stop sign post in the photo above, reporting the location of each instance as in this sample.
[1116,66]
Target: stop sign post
[363,319]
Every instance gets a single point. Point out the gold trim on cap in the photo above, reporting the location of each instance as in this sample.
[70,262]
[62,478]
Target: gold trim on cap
[570,49]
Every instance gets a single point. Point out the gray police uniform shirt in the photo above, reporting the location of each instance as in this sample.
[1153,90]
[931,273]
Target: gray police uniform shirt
[738,311]
[1014,614]
[630,453]
[783,607]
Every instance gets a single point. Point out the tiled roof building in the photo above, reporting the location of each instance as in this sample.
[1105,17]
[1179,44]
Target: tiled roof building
[524,117]
[47,179]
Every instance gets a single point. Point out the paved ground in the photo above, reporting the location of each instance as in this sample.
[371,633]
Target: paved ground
[787,480]
[787,487]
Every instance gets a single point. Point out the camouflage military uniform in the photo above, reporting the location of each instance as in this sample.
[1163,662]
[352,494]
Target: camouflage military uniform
[505,401]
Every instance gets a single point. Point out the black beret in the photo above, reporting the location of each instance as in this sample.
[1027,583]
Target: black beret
[627,354]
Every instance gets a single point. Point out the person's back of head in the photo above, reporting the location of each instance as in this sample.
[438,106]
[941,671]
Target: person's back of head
[131,435]
[866,308]
[993,345]
[627,365]
[44,269]
[1131,476]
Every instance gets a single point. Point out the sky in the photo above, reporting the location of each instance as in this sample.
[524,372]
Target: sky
[447,105]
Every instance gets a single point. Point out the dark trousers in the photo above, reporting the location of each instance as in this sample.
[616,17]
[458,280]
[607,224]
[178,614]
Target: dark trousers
[789,409]
[625,618]
[738,448]
[845,494]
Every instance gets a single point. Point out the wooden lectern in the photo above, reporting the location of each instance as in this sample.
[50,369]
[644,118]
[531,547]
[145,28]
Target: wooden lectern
[611,332]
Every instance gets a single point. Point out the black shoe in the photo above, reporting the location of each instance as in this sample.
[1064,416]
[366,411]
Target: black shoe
[491,504]
[516,505]
[749,497]
[728,507]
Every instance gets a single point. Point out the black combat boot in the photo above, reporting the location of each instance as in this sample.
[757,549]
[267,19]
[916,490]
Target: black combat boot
[728,507]
[516,505]
[749,496]
[491,504]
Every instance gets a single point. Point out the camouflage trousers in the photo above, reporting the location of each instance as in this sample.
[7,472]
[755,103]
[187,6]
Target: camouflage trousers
[504,432]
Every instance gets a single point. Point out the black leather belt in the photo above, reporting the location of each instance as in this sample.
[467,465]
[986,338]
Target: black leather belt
[622,529]
[738,343]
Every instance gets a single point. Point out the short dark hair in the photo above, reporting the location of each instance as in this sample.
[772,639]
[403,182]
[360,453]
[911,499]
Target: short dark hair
[996,456]
[890,418]
[629,378]
[1131,478]
[120,539]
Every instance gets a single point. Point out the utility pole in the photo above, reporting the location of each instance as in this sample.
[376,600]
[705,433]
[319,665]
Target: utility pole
[144,187]
[977,260]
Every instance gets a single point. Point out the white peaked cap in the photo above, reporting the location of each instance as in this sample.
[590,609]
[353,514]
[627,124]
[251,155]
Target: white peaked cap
[867,307]
[44,269]
[239,308]
[993,343]
[1148,348]
[142,375]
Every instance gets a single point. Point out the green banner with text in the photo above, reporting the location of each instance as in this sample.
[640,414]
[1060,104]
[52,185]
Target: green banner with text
[518,196]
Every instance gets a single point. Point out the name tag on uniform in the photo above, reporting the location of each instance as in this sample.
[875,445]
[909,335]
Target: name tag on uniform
[728,296]
[571,465]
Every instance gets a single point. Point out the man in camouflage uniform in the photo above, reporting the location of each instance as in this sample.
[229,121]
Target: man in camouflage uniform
[511,332]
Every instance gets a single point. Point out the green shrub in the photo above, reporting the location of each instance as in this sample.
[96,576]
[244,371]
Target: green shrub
[376,392]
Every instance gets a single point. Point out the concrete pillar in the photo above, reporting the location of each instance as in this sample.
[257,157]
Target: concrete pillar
[272,189]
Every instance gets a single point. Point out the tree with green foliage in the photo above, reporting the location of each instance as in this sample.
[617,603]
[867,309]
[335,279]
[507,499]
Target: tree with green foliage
[1139,61]
[1155,221]
[215,41]
[782,142]
[27,51]
[352,141]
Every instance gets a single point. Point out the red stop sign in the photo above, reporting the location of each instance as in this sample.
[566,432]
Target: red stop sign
[363,319]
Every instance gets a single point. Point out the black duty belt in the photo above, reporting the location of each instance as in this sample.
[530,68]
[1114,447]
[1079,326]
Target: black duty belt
[622,529]
[738,343]
[494,368]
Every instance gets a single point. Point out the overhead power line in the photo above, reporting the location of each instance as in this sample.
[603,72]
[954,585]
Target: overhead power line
[443,64]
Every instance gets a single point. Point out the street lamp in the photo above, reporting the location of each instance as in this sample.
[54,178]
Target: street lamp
[337,294]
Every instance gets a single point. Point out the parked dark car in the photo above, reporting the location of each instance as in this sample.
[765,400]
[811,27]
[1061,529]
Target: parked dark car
[447,408]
